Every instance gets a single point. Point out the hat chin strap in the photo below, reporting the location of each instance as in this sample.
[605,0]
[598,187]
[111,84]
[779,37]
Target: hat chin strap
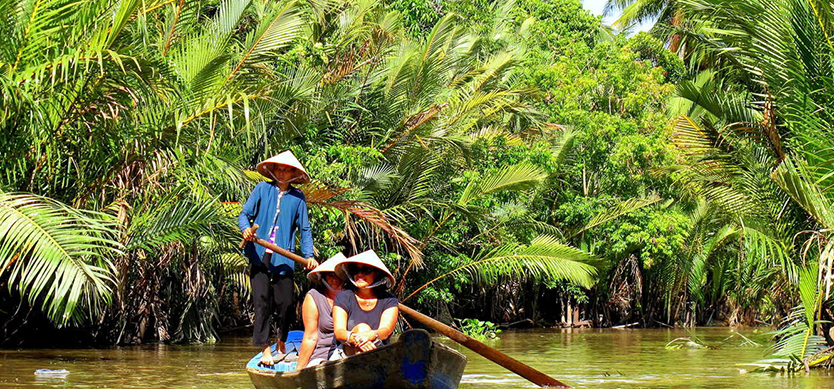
[328,286]
[290,181]
[384,280]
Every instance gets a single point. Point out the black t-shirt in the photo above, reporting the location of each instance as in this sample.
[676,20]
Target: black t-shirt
[346,299]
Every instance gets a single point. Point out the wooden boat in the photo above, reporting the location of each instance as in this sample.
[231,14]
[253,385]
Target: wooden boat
[414,361]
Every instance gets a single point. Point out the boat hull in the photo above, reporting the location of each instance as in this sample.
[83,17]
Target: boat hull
[414,361]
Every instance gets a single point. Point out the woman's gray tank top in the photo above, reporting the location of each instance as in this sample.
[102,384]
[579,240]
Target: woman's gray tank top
[325,324]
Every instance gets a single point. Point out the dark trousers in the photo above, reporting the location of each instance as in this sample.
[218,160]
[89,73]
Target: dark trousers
[271,293]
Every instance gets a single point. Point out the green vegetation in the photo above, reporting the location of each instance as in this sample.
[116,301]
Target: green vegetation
[479,329]
[508,160]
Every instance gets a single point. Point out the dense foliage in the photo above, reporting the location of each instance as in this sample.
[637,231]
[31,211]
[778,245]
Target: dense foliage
[508,160]
[755,127]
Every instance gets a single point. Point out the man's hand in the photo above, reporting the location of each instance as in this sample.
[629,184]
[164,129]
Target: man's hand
[249,233]
[311,264]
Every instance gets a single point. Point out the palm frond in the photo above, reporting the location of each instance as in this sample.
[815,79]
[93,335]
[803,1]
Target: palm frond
[317,192]
[124,12]
[367,213]
[796,180]
[174,218]
[692,138]
[375,178]
[797,339]
[635,12]
[274,32]
[763,246]
[236,268]
[616,211]
[564,144]
[55,255]
[228,17]
[544,258]
[516,177]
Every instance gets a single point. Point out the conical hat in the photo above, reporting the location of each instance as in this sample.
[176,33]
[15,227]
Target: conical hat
[284,158]
[366,258]
[326,266]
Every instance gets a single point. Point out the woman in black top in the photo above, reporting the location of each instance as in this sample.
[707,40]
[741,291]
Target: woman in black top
[365,312]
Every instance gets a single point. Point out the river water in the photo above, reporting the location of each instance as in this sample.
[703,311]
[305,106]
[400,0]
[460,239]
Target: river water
[591,358]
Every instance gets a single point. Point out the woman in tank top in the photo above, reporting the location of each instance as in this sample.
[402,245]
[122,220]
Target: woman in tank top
[364,314]
[316,312]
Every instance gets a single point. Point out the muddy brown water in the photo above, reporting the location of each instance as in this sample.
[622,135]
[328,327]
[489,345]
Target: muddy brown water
[633,358]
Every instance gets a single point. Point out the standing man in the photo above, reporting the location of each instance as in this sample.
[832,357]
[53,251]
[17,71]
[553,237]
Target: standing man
[279,210]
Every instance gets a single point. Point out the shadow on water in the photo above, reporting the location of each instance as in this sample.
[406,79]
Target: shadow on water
[633,358]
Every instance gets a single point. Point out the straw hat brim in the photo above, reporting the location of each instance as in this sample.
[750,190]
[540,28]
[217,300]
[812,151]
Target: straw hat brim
[368,258]
[286,158]
[326,266]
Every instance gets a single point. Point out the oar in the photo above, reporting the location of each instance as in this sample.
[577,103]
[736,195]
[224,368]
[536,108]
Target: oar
[487,352]
[280,250]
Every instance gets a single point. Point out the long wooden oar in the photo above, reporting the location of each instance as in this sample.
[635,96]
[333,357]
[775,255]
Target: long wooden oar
[487,352]
[280,250]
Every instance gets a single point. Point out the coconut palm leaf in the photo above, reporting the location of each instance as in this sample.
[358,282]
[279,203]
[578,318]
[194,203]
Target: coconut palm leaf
[635,12]
[123,13]
[544,258]
[496,69]
[200,59]
[797,338]
[564,144]
[620,209]
[375,178]
[796,180]
[275,31]
[56,256]
[180,20]
[694,139]
[515,177]
[766,247]
[173,218]
[708,98]
[414,170]
[236,268]
[697,280]
[526,222]
[376,218]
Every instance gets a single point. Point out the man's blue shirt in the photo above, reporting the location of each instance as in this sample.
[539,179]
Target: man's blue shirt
[260,210]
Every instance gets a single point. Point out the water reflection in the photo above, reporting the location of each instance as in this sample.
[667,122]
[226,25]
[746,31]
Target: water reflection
[630,358]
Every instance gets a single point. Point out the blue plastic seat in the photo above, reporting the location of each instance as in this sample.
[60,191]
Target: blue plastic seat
[293,345]
[293,341]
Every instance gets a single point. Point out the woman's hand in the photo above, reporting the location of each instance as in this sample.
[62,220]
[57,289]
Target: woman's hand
[367,346]
[364,340]
[368,336]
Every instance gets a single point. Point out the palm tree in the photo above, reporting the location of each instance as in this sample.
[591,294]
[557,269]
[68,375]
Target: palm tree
[762,137]
[667,16]
[636,12]
[421,108]
[111,113]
